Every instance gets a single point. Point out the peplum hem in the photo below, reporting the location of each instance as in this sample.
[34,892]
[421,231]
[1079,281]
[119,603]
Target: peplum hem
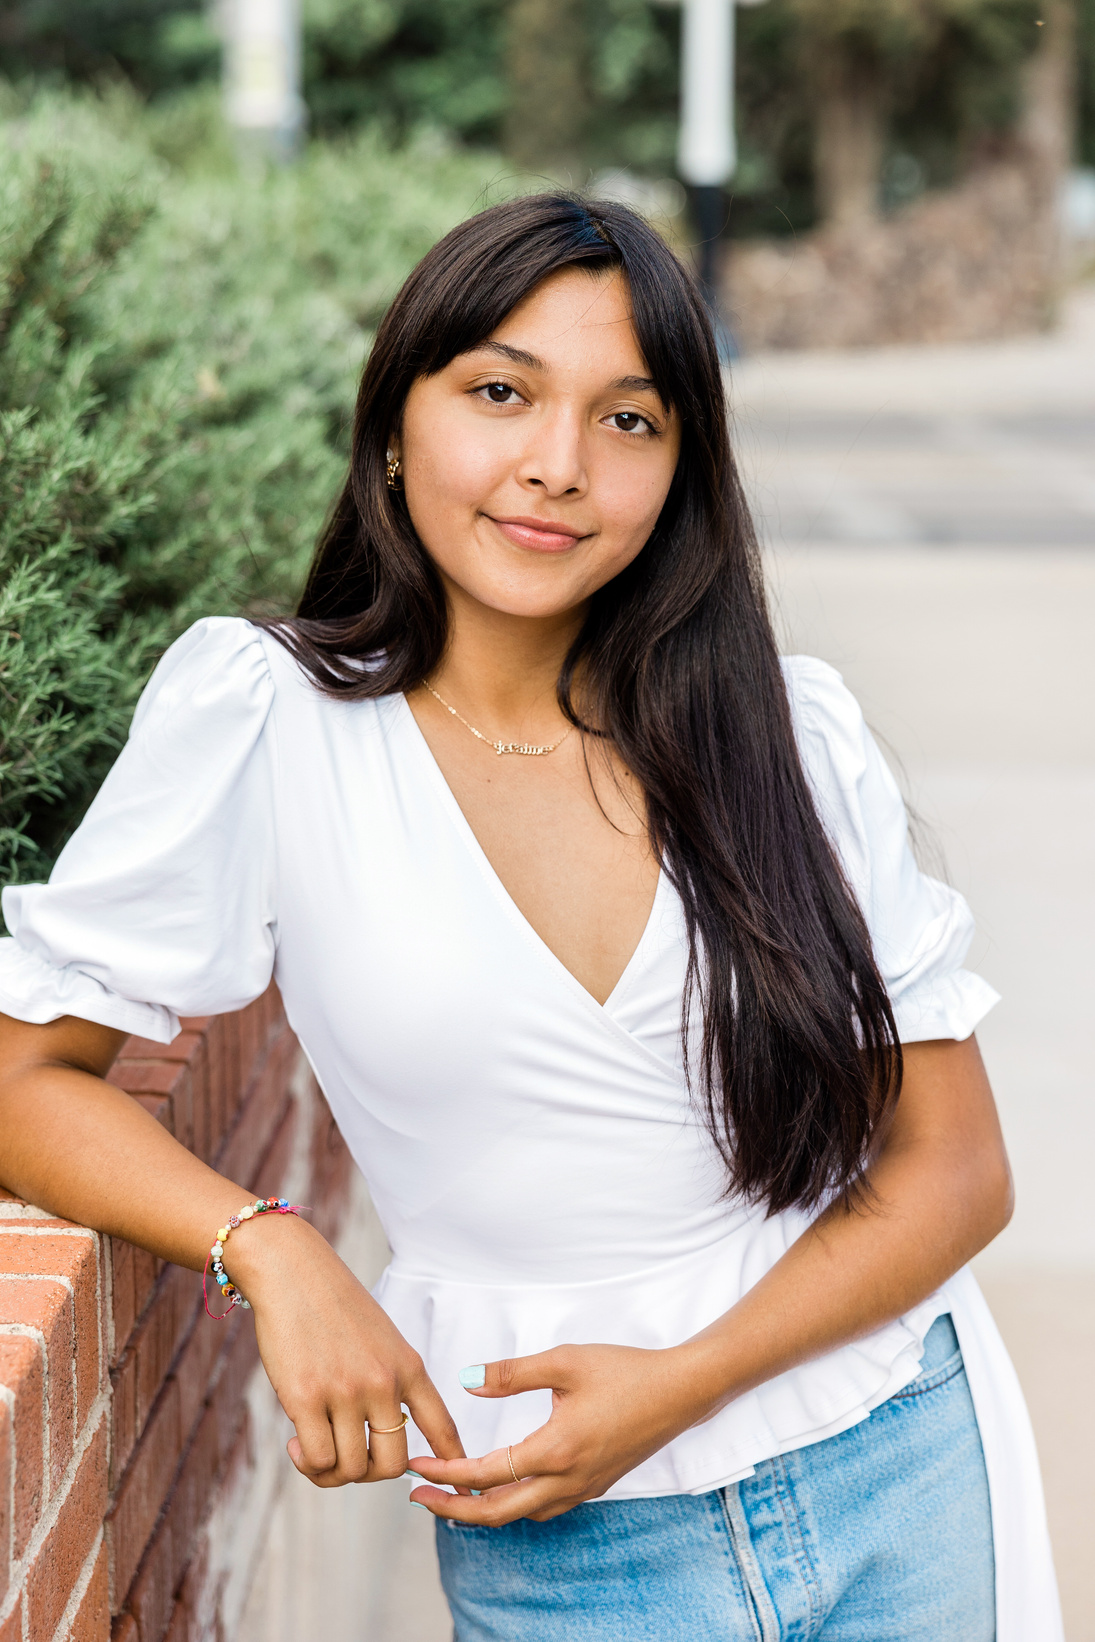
[455,1324]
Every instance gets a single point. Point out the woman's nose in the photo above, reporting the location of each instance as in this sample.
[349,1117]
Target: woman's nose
[554,460]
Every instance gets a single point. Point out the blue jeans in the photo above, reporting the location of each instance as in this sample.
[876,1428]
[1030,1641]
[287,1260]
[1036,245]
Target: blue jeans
[881,1534]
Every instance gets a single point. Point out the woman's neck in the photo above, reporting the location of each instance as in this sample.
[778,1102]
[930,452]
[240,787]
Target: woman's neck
[504,668]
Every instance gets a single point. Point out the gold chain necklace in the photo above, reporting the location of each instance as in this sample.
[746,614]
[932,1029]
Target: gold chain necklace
[524,747]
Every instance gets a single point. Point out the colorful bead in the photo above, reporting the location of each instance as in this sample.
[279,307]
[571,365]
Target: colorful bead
[214,1259]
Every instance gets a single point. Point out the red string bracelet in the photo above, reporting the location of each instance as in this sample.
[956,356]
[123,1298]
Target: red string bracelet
[261,1205]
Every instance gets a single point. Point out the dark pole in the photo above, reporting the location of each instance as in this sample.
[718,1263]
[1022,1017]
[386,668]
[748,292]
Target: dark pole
[710,208]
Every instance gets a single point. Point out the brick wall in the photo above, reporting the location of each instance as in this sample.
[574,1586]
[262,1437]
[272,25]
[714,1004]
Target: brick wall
[130,1466]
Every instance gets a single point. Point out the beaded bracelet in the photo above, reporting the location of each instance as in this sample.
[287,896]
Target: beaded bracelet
[261,1205]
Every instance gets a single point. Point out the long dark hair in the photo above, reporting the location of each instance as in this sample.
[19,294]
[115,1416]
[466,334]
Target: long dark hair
[678,665]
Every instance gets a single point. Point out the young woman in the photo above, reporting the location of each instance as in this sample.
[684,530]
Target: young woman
[601,930]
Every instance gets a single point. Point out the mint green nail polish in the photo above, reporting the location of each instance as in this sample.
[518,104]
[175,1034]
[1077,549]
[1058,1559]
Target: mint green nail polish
[472,1378]
[417,1505]
[417,1474]
[477,1492]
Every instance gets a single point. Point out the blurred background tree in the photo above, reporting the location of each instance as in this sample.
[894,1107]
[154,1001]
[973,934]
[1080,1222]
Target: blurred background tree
[845,106]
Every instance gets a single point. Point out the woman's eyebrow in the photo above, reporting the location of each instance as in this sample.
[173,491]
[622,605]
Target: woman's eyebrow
[518,356]
[521,356]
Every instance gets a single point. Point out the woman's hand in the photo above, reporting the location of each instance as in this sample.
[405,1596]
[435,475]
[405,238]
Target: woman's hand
[612,1407]
[334,1358]
[940,1190]
[82,1148]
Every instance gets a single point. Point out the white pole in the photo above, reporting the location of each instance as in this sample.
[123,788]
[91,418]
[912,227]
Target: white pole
[262,73]
[707,151]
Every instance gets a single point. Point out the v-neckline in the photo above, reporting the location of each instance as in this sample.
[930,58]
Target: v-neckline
[502,894]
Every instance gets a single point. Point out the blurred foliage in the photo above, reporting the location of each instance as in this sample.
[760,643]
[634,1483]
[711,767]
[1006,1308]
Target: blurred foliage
[179,347]
[951,69]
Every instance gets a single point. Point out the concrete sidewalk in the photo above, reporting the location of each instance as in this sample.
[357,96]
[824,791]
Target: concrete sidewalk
[929,516]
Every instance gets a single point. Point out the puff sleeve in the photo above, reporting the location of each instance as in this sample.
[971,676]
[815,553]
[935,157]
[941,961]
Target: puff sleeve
[921,929]
[162,903]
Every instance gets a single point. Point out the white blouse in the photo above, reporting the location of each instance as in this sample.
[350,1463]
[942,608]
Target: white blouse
[535,1158]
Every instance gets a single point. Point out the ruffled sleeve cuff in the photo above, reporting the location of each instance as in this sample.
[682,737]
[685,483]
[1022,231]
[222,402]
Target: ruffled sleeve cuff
[35,991]
[951,1006]
[921,929]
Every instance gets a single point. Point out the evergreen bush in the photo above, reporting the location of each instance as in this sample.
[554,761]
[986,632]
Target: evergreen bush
[179,346]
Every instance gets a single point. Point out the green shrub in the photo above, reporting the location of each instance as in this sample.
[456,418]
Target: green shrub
[178,354]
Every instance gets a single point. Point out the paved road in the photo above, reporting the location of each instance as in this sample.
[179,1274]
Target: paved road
[930,519]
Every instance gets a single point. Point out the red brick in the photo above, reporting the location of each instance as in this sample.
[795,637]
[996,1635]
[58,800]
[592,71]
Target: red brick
[21,1374]
[122,1293]
[272,1168]
[123,1415]
[179,1628]
[182,1048]
[58,1564]
[146,1269]
[197,1485]
[137,1378]
[197,1365]
[44,1304]
[220,1044]
[91,1622]
[255,1126]
[144,1077]
[166,1321]
[7,1463]
[77,1259]
[140,1495]
[152,1593]
[227,1402]
[12,1628]
[199,1597]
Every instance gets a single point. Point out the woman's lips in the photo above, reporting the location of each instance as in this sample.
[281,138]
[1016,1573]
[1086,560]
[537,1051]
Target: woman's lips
[541,537]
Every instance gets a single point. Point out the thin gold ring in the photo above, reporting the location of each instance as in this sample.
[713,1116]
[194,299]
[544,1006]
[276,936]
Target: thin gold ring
[386,1430]
[509,1456]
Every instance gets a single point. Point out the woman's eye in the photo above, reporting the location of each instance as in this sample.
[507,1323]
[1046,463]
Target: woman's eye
[630,421]
[498,392]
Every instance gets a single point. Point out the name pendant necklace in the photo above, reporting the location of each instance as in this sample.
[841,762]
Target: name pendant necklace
[526,748]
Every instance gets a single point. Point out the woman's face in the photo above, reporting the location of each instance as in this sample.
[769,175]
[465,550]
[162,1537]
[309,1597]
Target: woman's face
[536,465]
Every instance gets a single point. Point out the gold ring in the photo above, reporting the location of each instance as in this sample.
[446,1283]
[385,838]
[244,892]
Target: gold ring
[386,1430]
[509,1456]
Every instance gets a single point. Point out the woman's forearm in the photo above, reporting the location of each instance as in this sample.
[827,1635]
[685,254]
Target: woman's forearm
[939,1191]
[74,1144]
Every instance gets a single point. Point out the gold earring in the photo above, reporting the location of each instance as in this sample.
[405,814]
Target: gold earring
[392,471]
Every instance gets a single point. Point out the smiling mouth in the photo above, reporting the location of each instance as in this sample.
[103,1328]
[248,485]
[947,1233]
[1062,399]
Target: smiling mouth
[538,535]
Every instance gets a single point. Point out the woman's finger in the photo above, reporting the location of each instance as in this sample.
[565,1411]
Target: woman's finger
[491,1470]
[433,1419]
[532,1497]
[387,1450]
[545,1370]
[351,1445]
[313,1450]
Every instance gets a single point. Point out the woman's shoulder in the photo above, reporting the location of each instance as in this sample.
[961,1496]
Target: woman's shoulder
[828,719]
[217,668]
